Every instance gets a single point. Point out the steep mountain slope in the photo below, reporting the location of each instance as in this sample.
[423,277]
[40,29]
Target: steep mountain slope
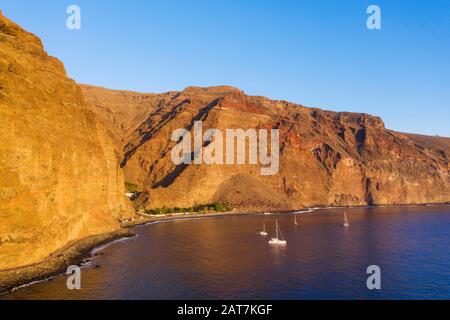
[122,111]
[327,158]
[60,179]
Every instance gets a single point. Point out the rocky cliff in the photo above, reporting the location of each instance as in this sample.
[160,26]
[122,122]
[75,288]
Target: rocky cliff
[60,178]
[327,158]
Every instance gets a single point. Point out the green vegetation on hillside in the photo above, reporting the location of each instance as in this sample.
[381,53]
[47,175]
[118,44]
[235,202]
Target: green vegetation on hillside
[132,188]
[204,208]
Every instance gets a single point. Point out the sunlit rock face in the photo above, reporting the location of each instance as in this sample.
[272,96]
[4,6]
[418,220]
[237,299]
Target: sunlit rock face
[326,158]
[60,178]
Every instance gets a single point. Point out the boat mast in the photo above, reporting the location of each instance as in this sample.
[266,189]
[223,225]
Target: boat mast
[277,228]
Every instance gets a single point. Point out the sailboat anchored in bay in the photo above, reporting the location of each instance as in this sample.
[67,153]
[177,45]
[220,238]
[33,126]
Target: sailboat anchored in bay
[346,224]
[278,240]
[264,232]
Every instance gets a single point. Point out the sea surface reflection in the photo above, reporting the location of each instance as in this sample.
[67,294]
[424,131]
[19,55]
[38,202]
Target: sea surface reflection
[224,258]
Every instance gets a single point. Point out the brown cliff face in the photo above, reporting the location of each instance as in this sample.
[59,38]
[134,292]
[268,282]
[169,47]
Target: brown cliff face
[60,179]
[326,159]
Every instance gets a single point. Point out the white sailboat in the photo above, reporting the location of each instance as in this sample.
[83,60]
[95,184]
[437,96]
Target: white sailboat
[295,220]
[263,233]
[346,224]
[278,240]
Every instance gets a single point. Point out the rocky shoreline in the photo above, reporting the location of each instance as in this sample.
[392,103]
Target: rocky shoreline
[75,253]
[72,254]
[145,219]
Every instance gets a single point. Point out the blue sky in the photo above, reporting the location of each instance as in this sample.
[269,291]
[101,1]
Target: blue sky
[318,52]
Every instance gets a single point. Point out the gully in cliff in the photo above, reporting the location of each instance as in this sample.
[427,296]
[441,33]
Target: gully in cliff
[208,147]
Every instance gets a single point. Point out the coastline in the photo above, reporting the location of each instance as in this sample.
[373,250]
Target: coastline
[74,253]
[146,219]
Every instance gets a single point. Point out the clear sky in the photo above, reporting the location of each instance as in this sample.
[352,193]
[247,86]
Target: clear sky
[318,52]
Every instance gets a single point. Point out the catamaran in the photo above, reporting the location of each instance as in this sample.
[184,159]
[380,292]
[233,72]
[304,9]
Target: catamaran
[346,224]
[263,233]
[278,240]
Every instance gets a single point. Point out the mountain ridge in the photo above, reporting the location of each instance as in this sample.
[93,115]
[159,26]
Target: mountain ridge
[331,141]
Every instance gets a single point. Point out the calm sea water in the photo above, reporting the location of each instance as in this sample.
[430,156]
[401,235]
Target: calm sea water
[224,258]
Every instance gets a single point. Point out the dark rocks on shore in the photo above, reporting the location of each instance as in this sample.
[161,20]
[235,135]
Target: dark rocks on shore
[73,255]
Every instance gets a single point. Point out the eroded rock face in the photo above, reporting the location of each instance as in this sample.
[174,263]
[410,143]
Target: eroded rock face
[60,178]
[327,158]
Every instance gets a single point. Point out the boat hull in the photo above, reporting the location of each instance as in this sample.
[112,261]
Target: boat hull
[277,242]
